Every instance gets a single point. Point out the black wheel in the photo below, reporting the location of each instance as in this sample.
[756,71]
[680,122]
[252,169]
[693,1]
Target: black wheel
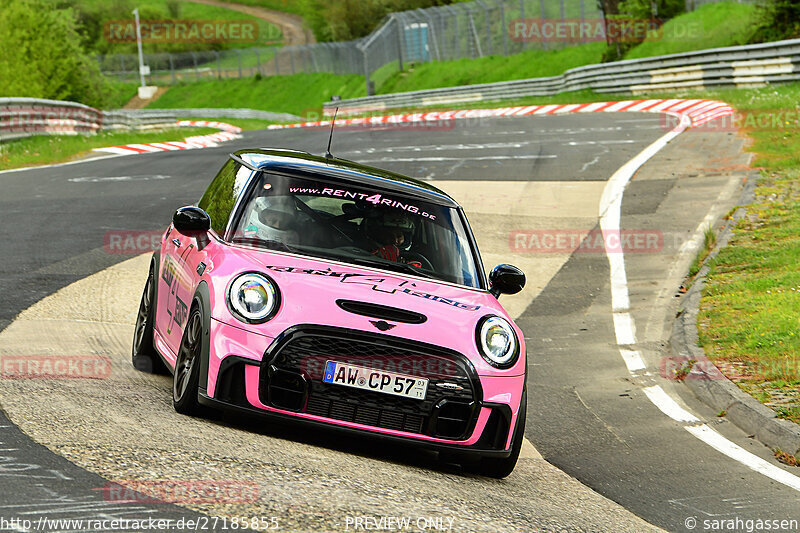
[500,468]
[187,368]
[143,354]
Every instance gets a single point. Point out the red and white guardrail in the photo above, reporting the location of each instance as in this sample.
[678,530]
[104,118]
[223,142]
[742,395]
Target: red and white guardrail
[699,111]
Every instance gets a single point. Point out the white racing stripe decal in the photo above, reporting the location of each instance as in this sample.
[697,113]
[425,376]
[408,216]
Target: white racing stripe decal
[624,324]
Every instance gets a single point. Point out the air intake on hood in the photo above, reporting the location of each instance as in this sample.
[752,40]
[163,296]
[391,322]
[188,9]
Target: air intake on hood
[383,312]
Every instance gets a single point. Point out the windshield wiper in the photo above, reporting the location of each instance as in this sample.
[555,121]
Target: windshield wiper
[393,265]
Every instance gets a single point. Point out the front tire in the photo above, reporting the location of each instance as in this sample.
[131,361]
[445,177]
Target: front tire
[500,468]
[144,356]
[186,377]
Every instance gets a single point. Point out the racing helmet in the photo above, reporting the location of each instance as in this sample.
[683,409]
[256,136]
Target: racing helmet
[277,217]
[390,227]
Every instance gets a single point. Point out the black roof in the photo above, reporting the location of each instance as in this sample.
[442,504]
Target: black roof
[306,165]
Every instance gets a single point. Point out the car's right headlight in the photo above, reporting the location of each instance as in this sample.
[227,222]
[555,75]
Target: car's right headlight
[497,341]
[253,298]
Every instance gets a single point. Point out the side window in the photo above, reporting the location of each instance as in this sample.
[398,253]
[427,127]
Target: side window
[220,197]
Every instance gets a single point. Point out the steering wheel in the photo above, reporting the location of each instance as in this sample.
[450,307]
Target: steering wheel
[415,256]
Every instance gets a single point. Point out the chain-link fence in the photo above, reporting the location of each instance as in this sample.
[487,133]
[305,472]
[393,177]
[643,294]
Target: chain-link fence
[462,30]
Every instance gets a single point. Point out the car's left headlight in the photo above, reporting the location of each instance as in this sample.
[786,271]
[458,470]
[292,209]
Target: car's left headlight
[253,298]
[497,341]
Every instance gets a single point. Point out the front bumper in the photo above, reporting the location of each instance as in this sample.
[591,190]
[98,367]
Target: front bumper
[472,415]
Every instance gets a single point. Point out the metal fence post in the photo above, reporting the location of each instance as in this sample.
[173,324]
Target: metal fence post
[196,71]
[219,65]
[503,28]
[239,57]
[291,58]
[258,61]
[370,92]
[544,15]
[399,43]
[171,68]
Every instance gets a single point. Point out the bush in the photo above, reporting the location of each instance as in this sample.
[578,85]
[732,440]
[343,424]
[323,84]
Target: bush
[43,56]
[778,20]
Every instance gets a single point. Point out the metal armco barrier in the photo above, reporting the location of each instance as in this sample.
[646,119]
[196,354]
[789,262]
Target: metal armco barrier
[737,66]
[23,117]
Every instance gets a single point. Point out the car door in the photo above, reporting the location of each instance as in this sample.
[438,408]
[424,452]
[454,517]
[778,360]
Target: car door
[176,284]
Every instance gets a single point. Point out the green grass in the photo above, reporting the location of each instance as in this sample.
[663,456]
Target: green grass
[529,64]
[298,94]
[710,26]
[120,93]
[244,123]
[44,149]
[287,6]
[157,10]
[267,32]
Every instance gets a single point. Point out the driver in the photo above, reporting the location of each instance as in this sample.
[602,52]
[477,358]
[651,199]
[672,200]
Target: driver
[391,232]
[274,220]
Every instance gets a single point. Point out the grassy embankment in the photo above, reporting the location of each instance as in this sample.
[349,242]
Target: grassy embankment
[713,25]
[44,149]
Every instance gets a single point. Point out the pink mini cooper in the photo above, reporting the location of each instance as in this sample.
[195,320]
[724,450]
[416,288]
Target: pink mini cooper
[318,290]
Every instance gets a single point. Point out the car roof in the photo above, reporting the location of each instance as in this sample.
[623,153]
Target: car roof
[306,165]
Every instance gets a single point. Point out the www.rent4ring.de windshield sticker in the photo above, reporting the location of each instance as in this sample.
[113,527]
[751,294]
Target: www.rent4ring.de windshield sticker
[376,199]
[376,282]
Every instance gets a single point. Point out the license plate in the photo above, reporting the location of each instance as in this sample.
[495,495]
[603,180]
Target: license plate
[359,377]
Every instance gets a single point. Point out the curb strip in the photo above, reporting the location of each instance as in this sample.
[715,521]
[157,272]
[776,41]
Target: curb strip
[707,382]
[228,132]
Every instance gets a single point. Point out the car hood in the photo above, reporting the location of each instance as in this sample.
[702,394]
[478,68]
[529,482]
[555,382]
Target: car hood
[311,287]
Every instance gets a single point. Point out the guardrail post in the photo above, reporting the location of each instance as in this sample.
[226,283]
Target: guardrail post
[258,61]
[171,68]
[219,65]
[239,56]
[291,58]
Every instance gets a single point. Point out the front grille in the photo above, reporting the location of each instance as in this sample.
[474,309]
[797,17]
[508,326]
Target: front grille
[304,351]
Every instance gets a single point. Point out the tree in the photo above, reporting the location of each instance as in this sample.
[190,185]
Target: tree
[43,57]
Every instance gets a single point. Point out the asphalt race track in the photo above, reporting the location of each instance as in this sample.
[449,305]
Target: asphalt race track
[518,178]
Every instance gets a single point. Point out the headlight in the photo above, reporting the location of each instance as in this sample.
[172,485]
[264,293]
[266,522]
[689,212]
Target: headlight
[497,341]
[253,298]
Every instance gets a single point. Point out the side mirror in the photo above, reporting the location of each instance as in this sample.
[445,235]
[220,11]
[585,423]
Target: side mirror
[192,222]
[506,279]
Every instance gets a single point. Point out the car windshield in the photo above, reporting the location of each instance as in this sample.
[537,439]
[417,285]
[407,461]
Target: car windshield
[351,223]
